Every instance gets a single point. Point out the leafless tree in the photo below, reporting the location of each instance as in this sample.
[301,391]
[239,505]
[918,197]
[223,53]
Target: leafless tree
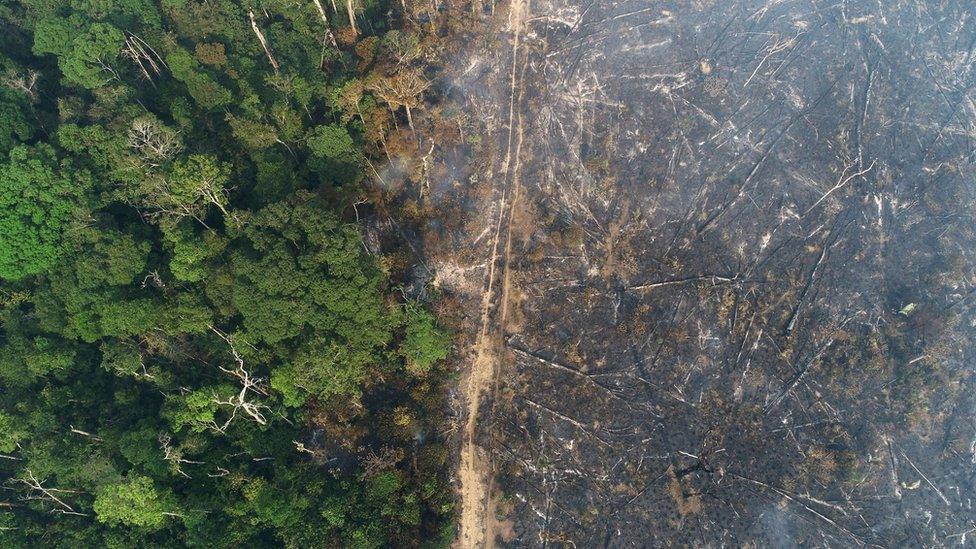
[22,82]
[403,89]
[376,462]
[242,401]
[402,47]
[351,11]
[329,37]
[262,40]
[37,491]
[175,456]
[153,142]
[150,63]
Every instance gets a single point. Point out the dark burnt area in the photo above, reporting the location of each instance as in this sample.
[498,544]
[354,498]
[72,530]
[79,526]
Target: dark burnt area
[714,345]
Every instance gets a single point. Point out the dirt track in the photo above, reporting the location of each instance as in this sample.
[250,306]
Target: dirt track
[475,470]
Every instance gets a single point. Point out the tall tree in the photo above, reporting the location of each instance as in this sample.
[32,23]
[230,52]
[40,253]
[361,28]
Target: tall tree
[38,200]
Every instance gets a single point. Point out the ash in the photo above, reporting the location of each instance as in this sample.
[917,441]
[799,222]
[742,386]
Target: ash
[726,251]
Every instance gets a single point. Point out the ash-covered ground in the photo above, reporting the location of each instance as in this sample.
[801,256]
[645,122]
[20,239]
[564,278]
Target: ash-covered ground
[727,249]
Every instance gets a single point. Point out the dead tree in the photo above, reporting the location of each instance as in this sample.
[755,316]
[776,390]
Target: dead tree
[352,17]
[144,56]
[153,142]
[221,472]
[840,183]
[37,491]
[22,82]
[175,456]
[329,37]
[403,89]
[77,431]
[376,462]
[240,402]
[262,40]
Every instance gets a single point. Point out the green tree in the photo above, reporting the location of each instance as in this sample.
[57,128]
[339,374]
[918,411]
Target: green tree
[424,343]
[11,432]
[56,35]
[202,87]
[196,181]
[191,251]
[306,270]
[133,502]
[196,410]
[37,202]
[88,63]
[253,134]
[14,125]
[91,295]
[334,152]
[322,369]
[332,142]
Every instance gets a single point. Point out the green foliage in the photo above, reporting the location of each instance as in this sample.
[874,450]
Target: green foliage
[334,153]
[274,178]
[37,201]
[14,125]
[198,177]
[196,410]
[121,357]
[110,258]
[322,369]
[253,134]
[400,47]
[11,432]
[55,35]
[306,271]
[88,296]
[88,62]
[333,143]
[124,14]
[187,322]
[191,185]
[98,149]
[424,343]
[48,357]
[190,251]
[129,317]
[134,502]
[201,86]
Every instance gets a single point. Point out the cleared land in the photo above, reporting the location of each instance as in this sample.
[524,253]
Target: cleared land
[727,255]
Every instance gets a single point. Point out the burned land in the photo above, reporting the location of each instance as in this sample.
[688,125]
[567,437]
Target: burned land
[718,258]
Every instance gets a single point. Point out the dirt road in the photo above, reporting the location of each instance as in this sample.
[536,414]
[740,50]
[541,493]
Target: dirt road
[477,516]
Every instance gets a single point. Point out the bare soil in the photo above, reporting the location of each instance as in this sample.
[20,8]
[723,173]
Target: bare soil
[477,523]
